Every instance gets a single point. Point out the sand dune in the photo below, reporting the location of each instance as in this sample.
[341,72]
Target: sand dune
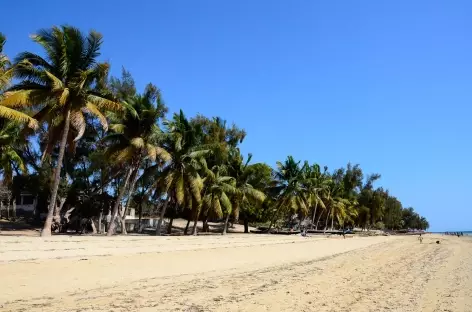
[235,273]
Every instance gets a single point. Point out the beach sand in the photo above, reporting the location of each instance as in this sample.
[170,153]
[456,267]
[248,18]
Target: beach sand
[235,273]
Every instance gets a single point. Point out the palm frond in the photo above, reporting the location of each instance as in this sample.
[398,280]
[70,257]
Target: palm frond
[254,194]
[24,98]
[163,154]
[103,103]
[226,203]
[92,109]
[196,185]
[216,207]
[56,82]
[124,155]
[117,128]
[16,116]
[151,152]
[227,188]
[94,41]
[137,142]
[64,97]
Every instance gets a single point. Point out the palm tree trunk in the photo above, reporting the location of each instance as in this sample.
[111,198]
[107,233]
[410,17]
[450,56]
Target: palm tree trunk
[57,177]
[332,221]
[130,198]
[100,217]
[57,219]
[273,218]
[318,221]
[186,227]
[246,225]
[195,222]
[327,218]
[225,227]
[121,192]
[206,228]
[314,214]
[169,227]
[161,217]
[140,212]
[236,212]
[92,224]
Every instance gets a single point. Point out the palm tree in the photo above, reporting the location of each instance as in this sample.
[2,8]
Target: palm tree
[246,194]
[61,88]
[179,179]
[339,207]
[6,73]
[134,139]
[11,146]
[218,191]
[292,196]
[315,183]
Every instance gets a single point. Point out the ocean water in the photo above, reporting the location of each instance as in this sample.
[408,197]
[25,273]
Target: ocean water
[468,233]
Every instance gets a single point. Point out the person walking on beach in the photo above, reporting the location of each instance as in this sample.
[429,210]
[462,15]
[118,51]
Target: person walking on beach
[420,238]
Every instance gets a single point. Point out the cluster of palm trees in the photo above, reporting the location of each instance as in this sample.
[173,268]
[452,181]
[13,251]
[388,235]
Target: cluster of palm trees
[103,144]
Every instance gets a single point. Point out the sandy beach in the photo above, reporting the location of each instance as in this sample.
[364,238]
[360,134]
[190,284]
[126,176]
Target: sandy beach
[235,273]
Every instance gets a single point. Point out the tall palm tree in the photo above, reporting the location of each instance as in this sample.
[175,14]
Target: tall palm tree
[338,207]
[292,196]
[218,192]
[315,183]
[134,139]
[179,179]
[61,88]
[6,73]
[246,194]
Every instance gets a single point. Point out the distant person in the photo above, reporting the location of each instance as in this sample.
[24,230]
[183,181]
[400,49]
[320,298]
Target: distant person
[420,238]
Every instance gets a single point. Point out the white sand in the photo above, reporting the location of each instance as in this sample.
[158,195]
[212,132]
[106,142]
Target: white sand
[235,273]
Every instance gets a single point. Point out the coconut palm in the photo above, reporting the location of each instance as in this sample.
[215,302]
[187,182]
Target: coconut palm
[338,207]
[179,179]
[246,194]
[134,139]
[61,88]
[11,146]
[6,73]
[218,192]
[315,183]
[292,196]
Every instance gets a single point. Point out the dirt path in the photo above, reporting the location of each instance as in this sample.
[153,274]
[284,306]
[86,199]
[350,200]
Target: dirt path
[239,273]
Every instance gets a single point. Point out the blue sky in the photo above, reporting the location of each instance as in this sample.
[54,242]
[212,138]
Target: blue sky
[387,84]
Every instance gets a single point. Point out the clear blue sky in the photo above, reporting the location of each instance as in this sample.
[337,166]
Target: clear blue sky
[387,84]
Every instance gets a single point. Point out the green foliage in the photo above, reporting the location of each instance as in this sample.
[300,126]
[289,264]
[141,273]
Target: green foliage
[11,151]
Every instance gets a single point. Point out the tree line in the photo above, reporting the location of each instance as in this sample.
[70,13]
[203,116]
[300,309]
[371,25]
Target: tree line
[75,137]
